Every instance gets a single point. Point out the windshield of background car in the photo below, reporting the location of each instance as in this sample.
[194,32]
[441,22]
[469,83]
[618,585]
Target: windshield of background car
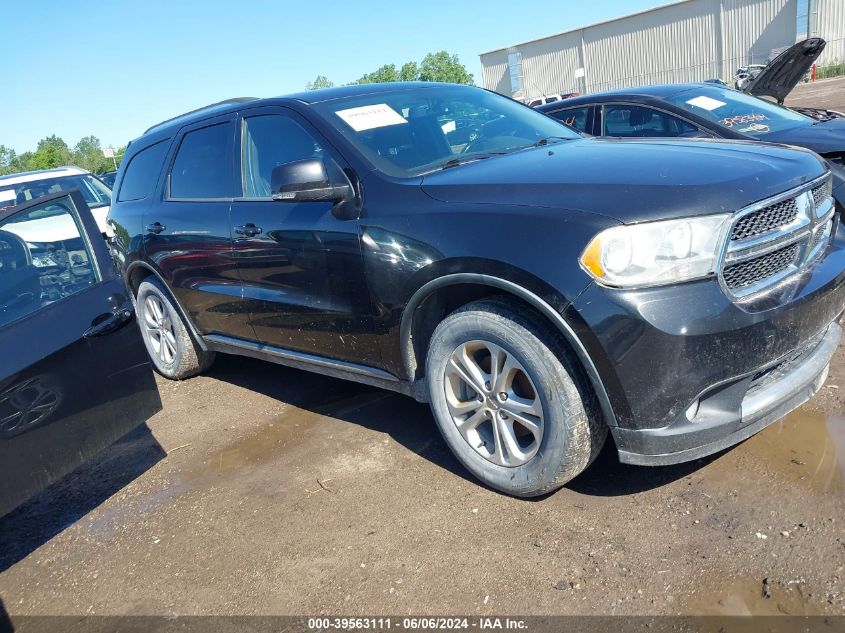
[411,132]
[96,194]
[739,112]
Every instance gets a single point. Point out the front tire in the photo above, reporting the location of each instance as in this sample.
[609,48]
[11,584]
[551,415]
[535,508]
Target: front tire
[509,399]
[172,349]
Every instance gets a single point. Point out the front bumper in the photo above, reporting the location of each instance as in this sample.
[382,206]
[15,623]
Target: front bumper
[713,427]
[688,372]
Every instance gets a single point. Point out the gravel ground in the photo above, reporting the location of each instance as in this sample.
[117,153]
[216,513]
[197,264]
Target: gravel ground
[264,490]
[828,93]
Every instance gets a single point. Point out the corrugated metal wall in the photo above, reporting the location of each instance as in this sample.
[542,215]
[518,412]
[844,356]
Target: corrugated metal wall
[831,26]
[750,30]
[673,43]
[691,40]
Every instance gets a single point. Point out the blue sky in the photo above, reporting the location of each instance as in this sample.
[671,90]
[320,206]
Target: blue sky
[112,68]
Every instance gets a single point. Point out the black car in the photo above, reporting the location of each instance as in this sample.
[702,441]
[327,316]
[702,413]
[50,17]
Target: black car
[75,375]
[536,288]
[708,110]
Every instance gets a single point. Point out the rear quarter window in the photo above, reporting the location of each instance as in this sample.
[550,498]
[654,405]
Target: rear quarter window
[142,172]
[202,169]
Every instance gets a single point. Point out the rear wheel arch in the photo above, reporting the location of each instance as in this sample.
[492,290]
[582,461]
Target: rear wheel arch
[137,272]
[443,295]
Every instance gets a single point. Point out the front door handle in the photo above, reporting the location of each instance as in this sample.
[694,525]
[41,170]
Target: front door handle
[108,322]
[248,230]
[155,227]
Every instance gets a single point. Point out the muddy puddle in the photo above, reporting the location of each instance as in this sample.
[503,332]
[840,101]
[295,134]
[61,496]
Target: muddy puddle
[805,451]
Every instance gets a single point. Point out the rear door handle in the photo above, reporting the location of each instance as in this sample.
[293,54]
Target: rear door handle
[155,227]
[108,322]
[248,230]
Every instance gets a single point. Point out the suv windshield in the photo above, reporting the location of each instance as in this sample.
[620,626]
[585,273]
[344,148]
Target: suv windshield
[410,132]
[96,194]
[738,111]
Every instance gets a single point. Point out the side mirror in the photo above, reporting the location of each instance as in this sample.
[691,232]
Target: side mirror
[305,181]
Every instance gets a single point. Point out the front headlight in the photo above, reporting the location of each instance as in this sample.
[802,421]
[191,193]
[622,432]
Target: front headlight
[655,253]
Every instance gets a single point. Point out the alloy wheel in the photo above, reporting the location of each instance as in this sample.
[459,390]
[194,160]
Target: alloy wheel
[159,329]
[494,403]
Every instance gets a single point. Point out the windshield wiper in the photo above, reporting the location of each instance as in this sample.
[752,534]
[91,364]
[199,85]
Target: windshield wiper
[545,141]
[461,160]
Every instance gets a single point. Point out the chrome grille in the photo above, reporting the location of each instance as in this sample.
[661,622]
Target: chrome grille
[753,271]
[822,192]
[821,235]
[776,238]
[765,220]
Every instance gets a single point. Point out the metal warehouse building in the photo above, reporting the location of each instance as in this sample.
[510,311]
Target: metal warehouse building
[691,40]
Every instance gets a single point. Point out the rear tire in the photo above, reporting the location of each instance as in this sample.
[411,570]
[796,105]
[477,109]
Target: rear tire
[510,400]
[172,349]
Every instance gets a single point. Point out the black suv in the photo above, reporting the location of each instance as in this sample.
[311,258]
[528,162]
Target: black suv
[536,288]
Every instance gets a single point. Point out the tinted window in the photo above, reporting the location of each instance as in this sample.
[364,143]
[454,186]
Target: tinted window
[203,165]
[638,121]
[43,258]
[270,141]
[573,117]
[142,172]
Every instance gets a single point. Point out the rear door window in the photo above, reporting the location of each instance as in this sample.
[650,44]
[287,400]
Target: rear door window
[573,117]
[142,172]
[202,169]
[632,121]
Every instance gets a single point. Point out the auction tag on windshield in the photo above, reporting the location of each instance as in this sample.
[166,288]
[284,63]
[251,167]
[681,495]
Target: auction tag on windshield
[706,103]
[371,116]
[8,196]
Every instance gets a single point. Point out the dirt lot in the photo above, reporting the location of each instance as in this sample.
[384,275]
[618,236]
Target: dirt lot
[829,93]
[264,490]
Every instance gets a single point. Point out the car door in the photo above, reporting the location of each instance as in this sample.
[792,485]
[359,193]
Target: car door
[300,262]
[188,230]
[75,375]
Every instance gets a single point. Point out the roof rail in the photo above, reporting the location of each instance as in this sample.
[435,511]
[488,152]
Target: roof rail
[211,105]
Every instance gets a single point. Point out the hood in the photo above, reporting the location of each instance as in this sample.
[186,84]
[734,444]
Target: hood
[630,180]
[823,137]
[784,72]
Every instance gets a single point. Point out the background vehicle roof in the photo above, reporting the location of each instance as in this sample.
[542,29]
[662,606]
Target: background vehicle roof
[658,90]
[30,176]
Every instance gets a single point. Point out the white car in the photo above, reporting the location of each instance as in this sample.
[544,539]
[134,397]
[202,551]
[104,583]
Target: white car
[26,186]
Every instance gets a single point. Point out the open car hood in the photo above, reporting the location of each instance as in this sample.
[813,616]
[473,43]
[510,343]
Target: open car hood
[784,72]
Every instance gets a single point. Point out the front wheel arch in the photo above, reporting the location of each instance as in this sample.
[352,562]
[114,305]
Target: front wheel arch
[411,326]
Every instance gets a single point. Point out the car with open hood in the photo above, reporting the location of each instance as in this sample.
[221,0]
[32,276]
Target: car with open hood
[708,110]
[538,289]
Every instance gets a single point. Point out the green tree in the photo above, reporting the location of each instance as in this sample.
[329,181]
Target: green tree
[385,74]
[440,66]
[444,67]
[51,152]
[321,81]
[8,160]
[88,154]
[409,72]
